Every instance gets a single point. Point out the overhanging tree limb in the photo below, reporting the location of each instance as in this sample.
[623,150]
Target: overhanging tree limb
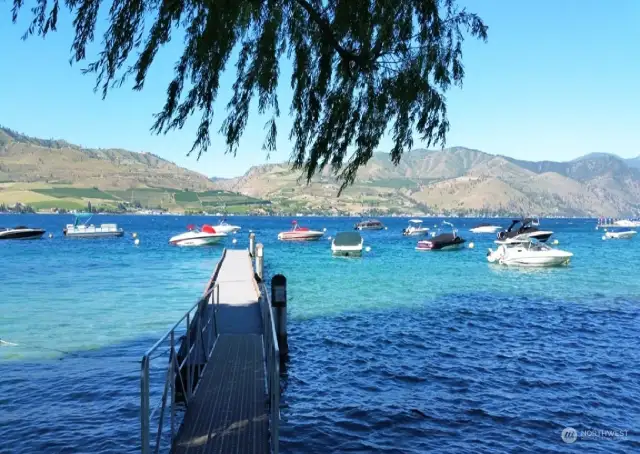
[360,67]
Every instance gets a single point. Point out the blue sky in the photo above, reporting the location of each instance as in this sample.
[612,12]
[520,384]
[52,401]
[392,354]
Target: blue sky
[556,80]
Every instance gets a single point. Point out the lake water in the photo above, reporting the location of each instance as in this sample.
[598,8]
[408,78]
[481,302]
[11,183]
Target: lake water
[397,352]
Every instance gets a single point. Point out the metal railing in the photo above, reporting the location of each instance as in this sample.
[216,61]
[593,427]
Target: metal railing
[272,356]
[195,335]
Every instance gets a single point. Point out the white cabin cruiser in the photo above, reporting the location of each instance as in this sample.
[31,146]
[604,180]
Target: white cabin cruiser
[627,223]
[298,233]
[415,228]
[85,230]
[485,228]
[619,235]
[527,252]
[204,236]
[224,227]
[21,233]
[347,244]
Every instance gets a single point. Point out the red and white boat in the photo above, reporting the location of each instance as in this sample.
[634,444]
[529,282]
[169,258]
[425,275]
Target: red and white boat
[198,237]
[298,233]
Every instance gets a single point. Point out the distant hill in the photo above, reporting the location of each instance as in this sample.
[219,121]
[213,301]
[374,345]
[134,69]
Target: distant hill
[55,174]
[29,159]
[459,181]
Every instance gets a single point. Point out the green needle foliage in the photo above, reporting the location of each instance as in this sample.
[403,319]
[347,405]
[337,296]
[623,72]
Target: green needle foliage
[360,67]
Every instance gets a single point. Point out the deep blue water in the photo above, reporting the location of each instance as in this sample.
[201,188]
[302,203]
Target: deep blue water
[399,351]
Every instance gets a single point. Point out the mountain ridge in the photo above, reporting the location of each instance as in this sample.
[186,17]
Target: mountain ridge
[460,180]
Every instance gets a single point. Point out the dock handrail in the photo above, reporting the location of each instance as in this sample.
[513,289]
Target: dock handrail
[272,354]
[203,314]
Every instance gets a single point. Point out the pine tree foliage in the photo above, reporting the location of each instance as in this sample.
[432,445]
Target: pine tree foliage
[361,68]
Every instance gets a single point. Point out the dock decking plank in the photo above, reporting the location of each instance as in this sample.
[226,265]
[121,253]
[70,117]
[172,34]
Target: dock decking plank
[229,412]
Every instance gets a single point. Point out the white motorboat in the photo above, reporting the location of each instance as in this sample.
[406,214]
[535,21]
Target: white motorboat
[620,235]
[195,236]
[415,228]
[20,233]
[224,227]
[627,223]
[527,252]
[85,230]
[298,233]
[347,244]
[485,228]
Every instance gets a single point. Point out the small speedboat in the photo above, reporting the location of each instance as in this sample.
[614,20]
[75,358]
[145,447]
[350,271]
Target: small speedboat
[527,252]
[485,228]
[415,228]
[224,227]
[20,232]
[85,230]
[347,244]
[298,233]
[370,224]
[620,235]
[195,236]
[528,229]
[443,241]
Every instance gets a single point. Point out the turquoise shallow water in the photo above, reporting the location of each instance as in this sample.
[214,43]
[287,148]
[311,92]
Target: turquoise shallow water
[399,351]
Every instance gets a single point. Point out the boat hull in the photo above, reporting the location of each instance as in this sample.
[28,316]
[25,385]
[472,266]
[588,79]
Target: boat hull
[71,234]
[200,240]
[486,229]
[620,235]
[226,228]
[340,252]
[300,236]
[22,234]
[439,247]
[529,259]
[415,232]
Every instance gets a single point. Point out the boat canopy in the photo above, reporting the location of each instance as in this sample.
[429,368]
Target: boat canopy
[82,216]
[347,239]
[415,221]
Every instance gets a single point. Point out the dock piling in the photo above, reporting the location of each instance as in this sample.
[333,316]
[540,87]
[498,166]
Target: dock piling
[260,260]
[279,304]
[252,244]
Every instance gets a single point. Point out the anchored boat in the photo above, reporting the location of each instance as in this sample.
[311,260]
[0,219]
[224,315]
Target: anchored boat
[224,227]
[620,235]
[485,228]
[347,244]
[195,236]
[81,229]
[415,228]
[442,241]
[528,228]
[527,252]
[370,224]
[20,232]
[298,233]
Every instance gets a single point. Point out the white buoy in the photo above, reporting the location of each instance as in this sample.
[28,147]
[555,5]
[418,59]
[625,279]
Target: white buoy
[471,245]
[51,235]
[135,235]
[136,242]
[556,242]
[329,238]
[368,249]
[324,230]
[234,241]
[386,228]
[604,237]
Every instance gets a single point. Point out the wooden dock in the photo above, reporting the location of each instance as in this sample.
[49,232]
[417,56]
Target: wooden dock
[229,412]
